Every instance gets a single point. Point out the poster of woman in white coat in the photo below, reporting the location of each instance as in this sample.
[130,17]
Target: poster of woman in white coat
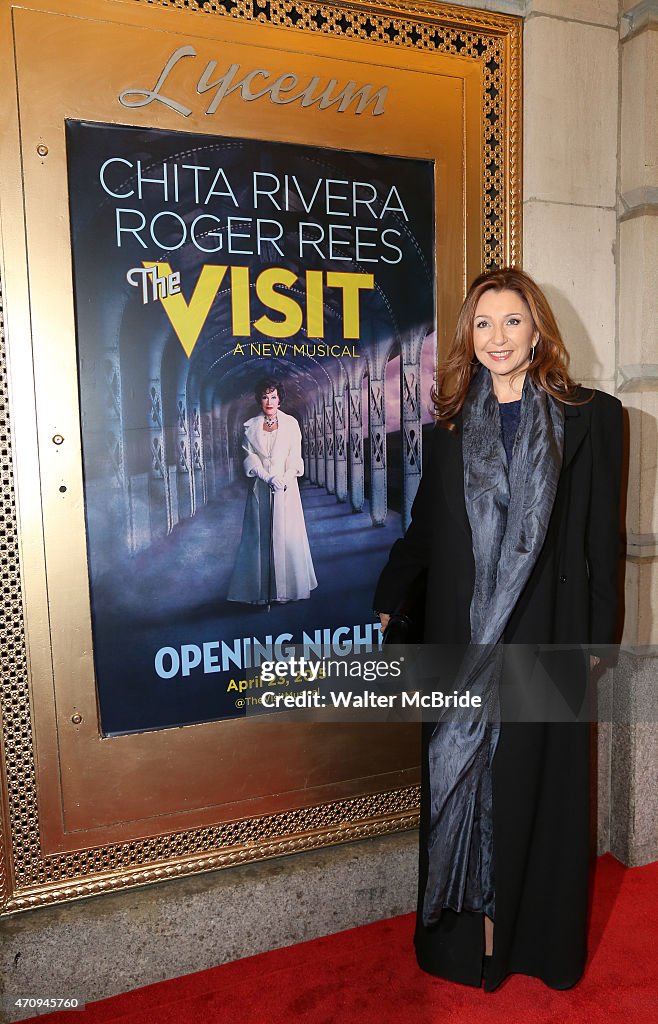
[274,559]
[222,526]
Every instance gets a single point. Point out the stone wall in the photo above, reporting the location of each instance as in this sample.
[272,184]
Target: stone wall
[634,772]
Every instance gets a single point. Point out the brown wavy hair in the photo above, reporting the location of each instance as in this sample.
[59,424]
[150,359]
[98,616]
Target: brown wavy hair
[548,369]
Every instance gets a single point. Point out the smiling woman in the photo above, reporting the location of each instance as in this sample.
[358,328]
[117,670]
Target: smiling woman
[516,524]
[504,338]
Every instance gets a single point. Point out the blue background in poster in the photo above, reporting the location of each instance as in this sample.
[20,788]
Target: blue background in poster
[164,485]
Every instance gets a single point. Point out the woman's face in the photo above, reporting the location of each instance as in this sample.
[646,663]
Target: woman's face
[503,333]
[269,402]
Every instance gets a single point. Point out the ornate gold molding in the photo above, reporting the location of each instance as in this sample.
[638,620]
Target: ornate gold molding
[32,879]
[159,864]
[16,737]
[494,40]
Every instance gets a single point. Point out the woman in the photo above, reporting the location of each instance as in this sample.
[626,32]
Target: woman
[274,559]
[516,521]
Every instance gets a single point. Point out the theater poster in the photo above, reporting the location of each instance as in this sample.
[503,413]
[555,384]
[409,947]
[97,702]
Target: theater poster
[227,520]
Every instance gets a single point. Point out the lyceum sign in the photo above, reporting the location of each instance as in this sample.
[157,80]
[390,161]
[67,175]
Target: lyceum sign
[256,84]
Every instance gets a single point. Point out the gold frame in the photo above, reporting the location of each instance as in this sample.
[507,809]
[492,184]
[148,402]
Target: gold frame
[42,859]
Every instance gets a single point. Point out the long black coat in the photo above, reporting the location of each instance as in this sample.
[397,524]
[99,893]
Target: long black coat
[541,770]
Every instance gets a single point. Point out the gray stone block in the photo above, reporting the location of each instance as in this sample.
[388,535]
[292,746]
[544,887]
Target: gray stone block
[634,761]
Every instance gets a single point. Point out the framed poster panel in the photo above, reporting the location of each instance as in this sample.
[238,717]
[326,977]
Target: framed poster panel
[223,220]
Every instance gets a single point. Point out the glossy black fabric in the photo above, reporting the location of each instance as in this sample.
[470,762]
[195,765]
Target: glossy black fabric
[540,770]
[509,510]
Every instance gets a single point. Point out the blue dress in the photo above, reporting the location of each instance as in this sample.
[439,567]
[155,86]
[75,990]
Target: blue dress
[510,414]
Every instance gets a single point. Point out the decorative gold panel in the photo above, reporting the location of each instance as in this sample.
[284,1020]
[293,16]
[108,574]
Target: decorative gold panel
[53,848]
[492,40]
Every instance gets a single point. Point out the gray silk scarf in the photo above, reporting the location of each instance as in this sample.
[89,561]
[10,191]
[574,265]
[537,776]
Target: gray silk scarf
[509,513]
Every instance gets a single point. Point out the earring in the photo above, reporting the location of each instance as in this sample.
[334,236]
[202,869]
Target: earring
[532,353]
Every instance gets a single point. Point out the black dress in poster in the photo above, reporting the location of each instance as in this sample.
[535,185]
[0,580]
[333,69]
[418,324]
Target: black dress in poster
[207,269]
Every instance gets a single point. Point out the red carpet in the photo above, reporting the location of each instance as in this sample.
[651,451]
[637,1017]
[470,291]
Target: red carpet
[369,975]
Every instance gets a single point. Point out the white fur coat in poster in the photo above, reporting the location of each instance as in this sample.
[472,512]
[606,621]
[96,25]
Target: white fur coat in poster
[289,575]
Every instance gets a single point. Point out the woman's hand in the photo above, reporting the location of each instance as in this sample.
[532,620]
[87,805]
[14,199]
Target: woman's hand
[257,469]
[593,661]
[277,483]
[384,619]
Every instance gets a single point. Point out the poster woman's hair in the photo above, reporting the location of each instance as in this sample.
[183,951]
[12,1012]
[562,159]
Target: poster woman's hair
[548,367]
[269,384]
